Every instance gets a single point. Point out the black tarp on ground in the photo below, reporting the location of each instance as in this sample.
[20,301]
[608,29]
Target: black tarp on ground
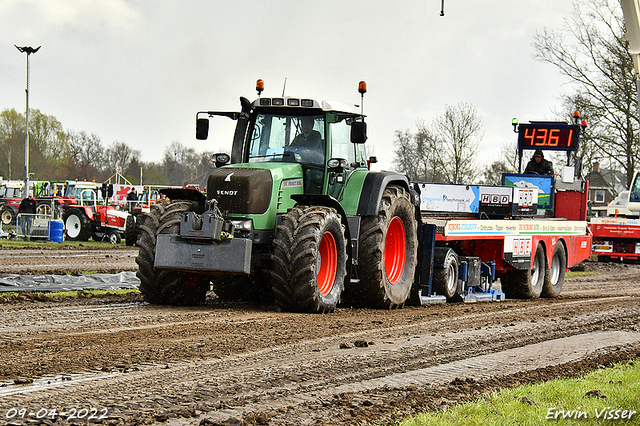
[54,283]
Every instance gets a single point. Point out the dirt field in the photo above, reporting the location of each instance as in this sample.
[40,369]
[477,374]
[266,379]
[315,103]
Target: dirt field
[126,362]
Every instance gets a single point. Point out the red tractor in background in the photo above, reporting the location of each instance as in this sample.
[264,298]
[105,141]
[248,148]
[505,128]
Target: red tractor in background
[10,198]
[91,217]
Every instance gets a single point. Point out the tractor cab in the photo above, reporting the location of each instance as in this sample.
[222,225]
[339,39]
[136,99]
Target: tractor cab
[325,140]
[318,139]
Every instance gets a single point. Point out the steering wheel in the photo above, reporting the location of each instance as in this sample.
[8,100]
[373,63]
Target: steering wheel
[306,155]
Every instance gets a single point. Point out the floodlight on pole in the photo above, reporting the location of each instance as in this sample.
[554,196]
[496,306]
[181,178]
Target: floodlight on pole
[28,50]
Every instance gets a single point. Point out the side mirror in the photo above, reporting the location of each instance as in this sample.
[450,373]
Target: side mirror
[358,132]
[202,128]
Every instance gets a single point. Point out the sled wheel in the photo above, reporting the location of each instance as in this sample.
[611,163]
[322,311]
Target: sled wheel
[554,276]
[527,283]
[445,279]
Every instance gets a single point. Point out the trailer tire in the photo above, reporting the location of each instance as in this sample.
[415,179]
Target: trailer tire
[387,253]
[77,224]
[554,276]
[130,234]
[7,216]
[527,283]
[166,287]
[309,260]
[445,279]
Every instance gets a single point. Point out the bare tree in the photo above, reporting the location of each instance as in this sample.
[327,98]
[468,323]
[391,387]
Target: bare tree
[119,155]
[11,141]
[444,151]
[507,163]
[459,129]
[591,51]
[86,155]
[405,154]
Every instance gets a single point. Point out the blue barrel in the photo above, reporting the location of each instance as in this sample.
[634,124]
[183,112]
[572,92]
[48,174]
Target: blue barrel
[56,228]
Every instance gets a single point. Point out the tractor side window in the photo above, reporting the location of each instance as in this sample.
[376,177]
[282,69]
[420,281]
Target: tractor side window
[341,146]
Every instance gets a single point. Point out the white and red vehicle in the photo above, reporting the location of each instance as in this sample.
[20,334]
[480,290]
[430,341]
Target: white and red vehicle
[10,198]
[617,236]
[526,232]
[88,219]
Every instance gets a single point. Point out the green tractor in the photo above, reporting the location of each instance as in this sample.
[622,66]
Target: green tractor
[295,216]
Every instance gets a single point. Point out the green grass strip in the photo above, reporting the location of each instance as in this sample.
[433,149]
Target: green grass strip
[605,396]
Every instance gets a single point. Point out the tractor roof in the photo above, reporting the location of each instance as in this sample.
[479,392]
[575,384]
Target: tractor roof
[289,103]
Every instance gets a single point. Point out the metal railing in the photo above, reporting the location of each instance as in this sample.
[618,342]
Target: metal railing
[35,226]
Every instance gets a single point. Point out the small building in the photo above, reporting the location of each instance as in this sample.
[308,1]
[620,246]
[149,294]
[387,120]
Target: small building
[604,186]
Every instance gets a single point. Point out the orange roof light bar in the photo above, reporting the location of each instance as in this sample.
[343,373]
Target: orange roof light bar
[259,86]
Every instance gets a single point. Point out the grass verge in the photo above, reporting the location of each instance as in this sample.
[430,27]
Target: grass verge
[605,396]
[580,273]
[44,244]
[74,294]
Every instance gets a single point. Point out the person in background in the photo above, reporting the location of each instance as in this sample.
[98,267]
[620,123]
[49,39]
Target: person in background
[27,209]
[538,165]
[132,199]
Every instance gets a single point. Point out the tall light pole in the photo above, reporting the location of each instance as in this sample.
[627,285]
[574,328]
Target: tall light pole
[631,13]
[28,50]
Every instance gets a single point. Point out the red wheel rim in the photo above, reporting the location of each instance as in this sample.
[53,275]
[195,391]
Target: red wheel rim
[395,250]
[328,263]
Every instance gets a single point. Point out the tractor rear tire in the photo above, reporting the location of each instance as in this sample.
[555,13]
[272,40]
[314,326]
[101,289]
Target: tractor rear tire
[527,283]
[7,216]
[554,276]
[166,287]
[309,260]
[130,230]
[77,224]
[388,253]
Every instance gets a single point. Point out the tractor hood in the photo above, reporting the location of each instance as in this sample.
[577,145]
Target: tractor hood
[249,189]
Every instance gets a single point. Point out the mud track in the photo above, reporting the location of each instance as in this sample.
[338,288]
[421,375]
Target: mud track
[251,364]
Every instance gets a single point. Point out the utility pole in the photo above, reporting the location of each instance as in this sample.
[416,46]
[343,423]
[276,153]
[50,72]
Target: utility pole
[631,13]
[28,50]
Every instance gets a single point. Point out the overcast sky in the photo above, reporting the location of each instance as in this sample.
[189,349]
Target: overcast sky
[137,71]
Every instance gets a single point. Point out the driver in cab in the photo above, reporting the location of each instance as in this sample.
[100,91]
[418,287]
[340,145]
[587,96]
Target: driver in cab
[308,138]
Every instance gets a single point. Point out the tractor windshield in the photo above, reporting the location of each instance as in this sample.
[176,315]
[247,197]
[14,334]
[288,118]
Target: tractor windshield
[298,139]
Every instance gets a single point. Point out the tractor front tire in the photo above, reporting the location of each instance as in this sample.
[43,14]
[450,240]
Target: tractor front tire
[309,260]
[166,287]
[77,224]
[388,253]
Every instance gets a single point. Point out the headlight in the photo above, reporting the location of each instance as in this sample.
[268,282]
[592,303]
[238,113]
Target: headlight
[242,225]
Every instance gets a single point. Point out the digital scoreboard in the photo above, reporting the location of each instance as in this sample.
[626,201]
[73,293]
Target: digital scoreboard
[548,136]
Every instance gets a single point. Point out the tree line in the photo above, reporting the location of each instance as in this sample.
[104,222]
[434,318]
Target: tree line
[59,154]
[591,51]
